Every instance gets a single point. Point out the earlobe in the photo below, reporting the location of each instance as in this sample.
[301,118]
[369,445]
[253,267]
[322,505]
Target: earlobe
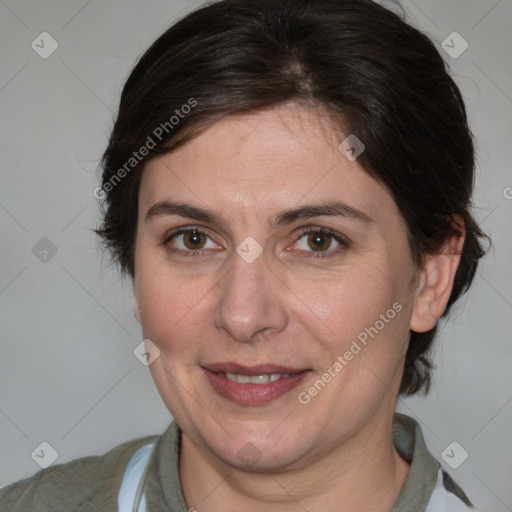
[136,310]
[436,283]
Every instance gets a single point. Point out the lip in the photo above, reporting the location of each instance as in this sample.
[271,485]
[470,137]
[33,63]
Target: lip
[252,394]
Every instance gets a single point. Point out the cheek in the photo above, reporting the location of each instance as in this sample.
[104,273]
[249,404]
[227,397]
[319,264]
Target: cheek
[172,308]
[365,321]
[354,299]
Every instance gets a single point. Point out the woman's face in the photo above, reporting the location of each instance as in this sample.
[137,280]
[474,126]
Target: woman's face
[257,292]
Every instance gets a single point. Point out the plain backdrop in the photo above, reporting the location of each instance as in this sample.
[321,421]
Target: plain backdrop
[68,373]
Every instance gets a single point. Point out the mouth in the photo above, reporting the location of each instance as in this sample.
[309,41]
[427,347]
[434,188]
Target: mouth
[253,385]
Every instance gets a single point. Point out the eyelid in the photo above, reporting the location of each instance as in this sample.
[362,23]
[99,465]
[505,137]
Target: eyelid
[342,239]
[184,230]
[338,237]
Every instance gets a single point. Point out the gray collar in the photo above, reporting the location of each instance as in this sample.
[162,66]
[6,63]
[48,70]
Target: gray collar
[422,477]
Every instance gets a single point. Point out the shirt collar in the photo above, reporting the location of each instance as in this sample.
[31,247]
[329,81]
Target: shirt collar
[422,477]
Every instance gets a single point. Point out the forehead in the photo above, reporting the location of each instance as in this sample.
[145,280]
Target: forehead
[264,160]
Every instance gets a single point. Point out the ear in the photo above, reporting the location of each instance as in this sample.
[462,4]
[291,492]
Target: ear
[436,281]
[136,310]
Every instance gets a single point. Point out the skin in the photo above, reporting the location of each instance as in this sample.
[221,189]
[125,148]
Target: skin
[293,305]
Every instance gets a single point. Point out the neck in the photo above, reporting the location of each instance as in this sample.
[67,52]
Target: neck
[339,480]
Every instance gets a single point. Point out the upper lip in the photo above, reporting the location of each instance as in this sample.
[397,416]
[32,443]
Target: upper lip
[258,369]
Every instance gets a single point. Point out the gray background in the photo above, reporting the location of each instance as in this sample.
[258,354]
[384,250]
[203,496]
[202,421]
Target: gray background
[68,373]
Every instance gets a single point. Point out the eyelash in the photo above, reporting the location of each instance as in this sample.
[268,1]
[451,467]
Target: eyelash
[309,230]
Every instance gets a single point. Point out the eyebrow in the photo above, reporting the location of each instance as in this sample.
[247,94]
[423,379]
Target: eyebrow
[328,209]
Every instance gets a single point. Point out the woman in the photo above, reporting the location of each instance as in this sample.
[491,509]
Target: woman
[288,184]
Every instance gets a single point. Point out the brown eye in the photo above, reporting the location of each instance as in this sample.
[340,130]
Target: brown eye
[319,241]
[194,240]
[189,242]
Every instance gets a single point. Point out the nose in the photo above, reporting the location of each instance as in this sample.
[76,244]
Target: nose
[251,302]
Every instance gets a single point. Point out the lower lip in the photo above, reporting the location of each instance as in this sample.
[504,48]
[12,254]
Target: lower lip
[253,394]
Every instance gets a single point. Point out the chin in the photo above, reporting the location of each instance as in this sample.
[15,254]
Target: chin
[251,459]
[256,453]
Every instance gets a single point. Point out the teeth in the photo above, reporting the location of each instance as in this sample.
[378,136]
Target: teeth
[255,379]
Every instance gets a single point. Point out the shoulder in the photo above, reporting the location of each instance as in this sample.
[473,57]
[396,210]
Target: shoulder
[88,483]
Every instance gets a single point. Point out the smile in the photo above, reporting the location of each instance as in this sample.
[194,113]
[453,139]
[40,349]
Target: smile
[254,385]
